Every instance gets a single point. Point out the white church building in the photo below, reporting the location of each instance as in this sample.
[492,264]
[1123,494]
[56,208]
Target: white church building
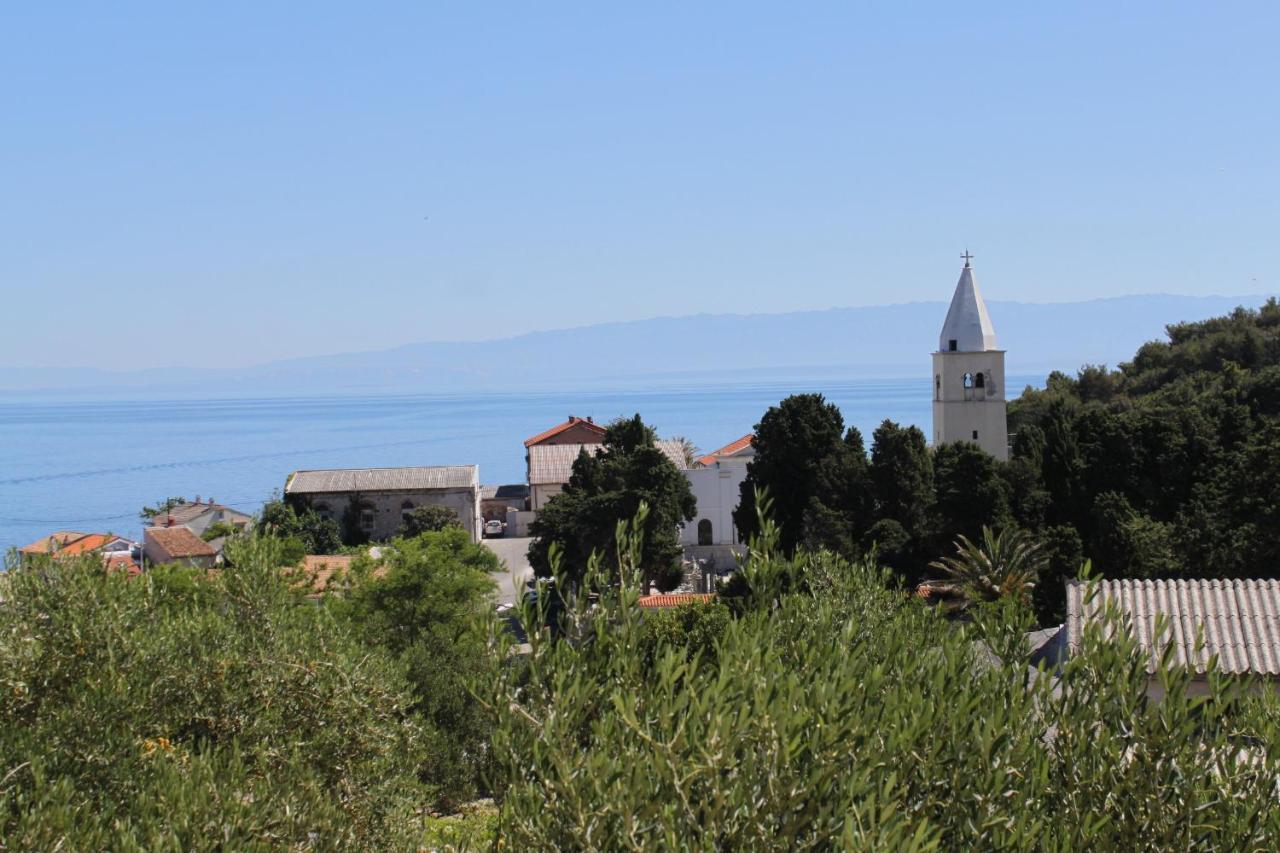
[968,374]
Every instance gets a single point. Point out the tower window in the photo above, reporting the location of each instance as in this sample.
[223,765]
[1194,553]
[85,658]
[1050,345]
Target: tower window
[951,345]
[980,381]
[937,387]
[968,380]
[975,435]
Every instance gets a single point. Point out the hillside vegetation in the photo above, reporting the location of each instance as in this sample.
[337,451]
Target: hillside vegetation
[1168,466]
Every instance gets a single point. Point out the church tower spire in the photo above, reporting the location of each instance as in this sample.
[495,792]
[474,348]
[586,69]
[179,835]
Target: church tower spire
[968,373]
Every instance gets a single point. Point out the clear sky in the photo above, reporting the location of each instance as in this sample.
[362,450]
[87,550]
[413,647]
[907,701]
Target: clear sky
[222,184]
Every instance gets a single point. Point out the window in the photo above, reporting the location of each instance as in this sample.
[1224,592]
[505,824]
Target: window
[704,532]
[968,380]
[937,387]
[951,345]
[980,381]
[366,518]
[406,508]
[323,509]
[975,435]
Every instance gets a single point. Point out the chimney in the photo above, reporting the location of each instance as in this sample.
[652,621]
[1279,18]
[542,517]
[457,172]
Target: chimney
[590,419]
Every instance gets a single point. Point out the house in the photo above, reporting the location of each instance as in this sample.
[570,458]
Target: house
[716,482]
[551,466]
[382,497]
[72,543]
[200,515]
[162,545]
[1238,621]
[576,430]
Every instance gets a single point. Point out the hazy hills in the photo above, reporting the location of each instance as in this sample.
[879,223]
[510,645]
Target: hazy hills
[880,341]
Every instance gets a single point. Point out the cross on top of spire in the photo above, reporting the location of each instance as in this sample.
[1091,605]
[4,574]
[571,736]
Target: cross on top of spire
[967,257]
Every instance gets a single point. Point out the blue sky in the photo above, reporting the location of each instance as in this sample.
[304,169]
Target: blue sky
[241,182]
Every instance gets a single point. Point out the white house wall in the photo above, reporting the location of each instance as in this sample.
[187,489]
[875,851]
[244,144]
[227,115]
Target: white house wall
[717,490]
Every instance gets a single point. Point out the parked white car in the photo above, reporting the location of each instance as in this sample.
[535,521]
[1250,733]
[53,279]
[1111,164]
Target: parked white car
[494,528]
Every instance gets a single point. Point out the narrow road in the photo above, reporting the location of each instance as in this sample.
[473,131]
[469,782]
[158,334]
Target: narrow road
[512,553]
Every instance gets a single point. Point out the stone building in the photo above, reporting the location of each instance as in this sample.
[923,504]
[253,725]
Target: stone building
[382,497]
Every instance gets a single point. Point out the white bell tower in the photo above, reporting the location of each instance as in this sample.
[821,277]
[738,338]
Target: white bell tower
[968,374]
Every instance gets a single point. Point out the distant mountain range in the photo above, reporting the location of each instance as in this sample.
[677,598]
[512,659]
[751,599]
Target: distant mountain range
[881,341]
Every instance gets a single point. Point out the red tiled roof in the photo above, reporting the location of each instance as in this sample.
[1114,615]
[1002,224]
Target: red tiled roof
[674,599]
[559,428]
[728,450]
[181,542]
[121,562]
[68,543]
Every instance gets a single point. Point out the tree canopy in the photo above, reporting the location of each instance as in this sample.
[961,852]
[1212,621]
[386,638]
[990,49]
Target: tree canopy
[606,487]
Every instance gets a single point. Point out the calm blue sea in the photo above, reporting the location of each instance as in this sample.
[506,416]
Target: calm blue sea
[91,465]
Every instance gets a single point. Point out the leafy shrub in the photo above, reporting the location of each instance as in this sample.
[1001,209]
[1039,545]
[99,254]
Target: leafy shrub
[429,610]
[845,714]
[691,628]
[186,710]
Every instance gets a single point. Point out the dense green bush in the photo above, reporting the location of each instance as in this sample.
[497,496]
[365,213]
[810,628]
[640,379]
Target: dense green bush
[429,608]
[842,713]
[191,710]
[694,628]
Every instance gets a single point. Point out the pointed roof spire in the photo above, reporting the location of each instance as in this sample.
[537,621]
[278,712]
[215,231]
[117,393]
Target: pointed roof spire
[967,321]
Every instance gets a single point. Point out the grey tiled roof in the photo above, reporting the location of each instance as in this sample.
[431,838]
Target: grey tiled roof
[553,463]
[1239,620]
[186,513]
[382,479]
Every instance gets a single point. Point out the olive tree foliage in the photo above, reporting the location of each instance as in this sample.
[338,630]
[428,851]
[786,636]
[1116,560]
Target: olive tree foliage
[426,603]
[840,713]
[187,710]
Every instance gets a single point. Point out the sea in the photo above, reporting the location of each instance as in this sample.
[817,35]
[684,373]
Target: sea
[92,464]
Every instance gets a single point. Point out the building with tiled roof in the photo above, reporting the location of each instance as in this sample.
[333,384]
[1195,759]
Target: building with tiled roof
[382,497]
[163,545]
[551,466]
[576,430]
[200,516]
[1236,621]
[716,482]
[739,450]
[73,543]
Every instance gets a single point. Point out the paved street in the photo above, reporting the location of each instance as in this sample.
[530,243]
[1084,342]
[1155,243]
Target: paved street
[512,553]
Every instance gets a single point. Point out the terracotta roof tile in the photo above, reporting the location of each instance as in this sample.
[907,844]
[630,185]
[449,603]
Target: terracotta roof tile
[730,449]
[559,428]
[67,543]
[180,542]
[674,599]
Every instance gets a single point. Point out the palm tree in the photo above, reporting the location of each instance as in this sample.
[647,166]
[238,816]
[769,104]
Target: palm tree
[689,449]
[1002,565]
